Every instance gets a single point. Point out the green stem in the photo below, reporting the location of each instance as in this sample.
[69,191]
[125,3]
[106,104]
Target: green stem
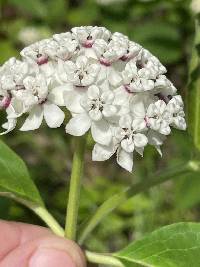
[49,220]
[102,259]
[74,190]
[112,203]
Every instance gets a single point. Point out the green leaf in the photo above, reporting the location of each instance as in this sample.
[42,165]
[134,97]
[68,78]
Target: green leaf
[171,246]
[15,181]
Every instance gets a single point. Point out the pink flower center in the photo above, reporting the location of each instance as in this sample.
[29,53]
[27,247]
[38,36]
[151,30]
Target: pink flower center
[42,60]
[127,88]
[88,43]
[5,102]
[146,121]
[105,62]
[124,57]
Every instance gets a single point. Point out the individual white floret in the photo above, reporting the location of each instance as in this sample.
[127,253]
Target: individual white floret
[177,118]
[137,80]
[86,35]
[42,102]
[97,108]
[126,140]
[82,72]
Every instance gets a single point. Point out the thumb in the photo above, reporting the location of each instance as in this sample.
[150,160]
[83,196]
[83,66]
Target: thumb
[55,251]
[23,245]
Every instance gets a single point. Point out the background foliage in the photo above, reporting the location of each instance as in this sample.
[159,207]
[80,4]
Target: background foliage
[166,29]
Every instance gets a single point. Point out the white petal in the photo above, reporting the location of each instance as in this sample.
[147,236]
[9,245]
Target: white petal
[155,138]
[95,114]
[109,110]
[73,100]
[159,150]
[81,61]
[125,121]
[101,153]
[139,150]
[102,75]
[161,106]
[125,160]
[101,132]
[53,115]
[127,145]
[48,69]
[90,53]
[56,95]
[9,126]
[164,128]
[34,120]
[138,124]
[93,92]
[137,107]
[179,123]
[140,140]
[121,96]
[114,77]
[78,125]
[108,96]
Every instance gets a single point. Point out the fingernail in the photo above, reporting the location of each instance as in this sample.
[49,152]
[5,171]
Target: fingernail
[45,257]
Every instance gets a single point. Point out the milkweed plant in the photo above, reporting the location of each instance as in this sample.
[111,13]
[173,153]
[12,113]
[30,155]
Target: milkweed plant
[101,83]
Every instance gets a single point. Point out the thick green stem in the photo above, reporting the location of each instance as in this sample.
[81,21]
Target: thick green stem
[74,190]
[112,203]
[102,259]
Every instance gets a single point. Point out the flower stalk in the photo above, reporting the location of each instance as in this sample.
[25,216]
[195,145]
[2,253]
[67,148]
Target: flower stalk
[74,190]
[103,259]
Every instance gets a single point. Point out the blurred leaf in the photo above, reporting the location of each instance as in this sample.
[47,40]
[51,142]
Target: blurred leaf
[83,15]
[116,26]
[163,40]
[174,245]
[8,51]
[57,11]
[14,177]
[36,8]
[12,28]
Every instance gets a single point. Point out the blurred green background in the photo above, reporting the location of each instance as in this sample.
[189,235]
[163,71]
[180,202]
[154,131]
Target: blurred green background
[166,29]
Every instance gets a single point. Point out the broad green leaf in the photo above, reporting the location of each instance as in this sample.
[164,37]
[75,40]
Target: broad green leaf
[171,246]
[14,177]
[193,104]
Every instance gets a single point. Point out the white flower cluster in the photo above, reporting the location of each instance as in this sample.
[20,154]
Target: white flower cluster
[111,86]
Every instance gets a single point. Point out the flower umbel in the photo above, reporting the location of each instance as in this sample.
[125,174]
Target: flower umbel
[110,85]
